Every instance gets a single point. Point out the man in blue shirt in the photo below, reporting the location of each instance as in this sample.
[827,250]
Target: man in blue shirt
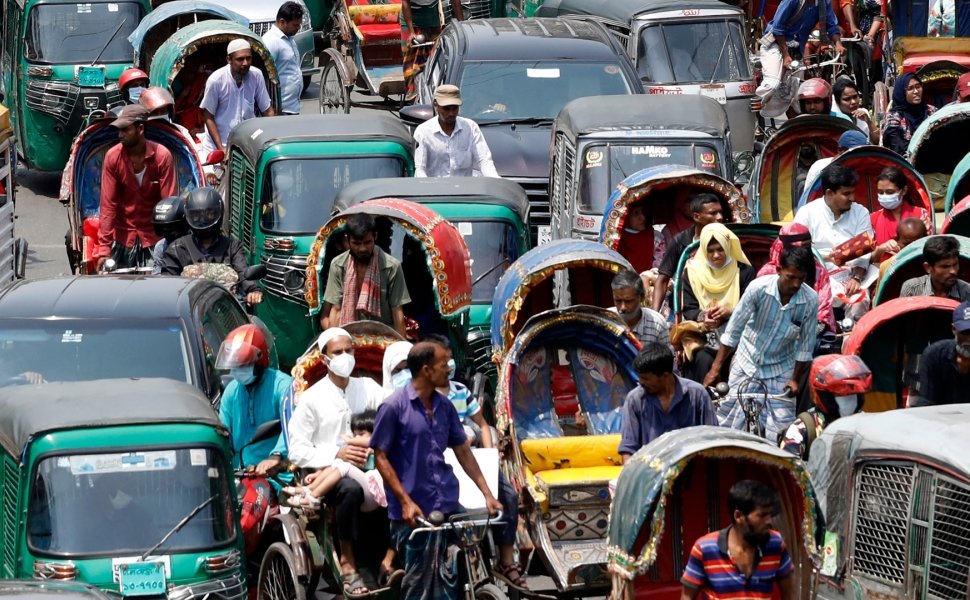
[794,20]
[662,402]
[414,426]
[281,45]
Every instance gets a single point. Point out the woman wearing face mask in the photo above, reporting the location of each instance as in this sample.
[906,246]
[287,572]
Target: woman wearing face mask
[908,110]
[892,193]
[396,372]
[716,277]
[838,383]
[254,395]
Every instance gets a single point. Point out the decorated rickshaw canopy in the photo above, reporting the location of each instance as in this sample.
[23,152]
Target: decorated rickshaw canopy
[176,11]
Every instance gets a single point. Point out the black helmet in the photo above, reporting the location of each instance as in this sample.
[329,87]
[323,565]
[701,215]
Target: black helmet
[203,211]
[169,218]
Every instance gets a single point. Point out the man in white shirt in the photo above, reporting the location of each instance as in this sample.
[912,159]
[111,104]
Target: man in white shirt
[449,145]
[280,43]
[230,94]
[319,432]
[835,219]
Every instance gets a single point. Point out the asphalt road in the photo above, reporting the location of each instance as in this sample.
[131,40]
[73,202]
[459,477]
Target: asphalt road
[42,219]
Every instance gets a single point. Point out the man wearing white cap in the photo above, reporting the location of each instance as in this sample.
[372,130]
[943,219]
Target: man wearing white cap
[230,94]
[319,432]
[449,145]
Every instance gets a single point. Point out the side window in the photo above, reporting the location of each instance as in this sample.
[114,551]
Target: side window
[220,314]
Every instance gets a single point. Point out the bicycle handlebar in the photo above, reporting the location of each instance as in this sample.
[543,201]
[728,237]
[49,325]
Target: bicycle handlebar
[432,524]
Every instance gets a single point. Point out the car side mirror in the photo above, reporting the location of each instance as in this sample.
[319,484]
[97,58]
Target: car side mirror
[416,114]
[215,157]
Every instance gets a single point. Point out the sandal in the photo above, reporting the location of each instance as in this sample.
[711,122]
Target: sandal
[300,497]
[512,575]
[391,578]
[353,584]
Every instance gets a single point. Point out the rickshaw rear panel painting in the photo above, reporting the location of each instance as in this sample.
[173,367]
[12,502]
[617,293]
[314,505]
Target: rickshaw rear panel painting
[60,62]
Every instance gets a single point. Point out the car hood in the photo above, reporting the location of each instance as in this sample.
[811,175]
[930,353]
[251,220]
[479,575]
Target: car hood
[519,150]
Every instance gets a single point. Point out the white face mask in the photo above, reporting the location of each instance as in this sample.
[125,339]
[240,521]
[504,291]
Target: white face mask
[243,375]
[120,500]
[341,365]
[847,405]
[890,201]
[452,368]
[400,379]
[134,94]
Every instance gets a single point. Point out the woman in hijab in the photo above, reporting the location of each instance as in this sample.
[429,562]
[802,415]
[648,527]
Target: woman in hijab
[908,110]
[796,234]
[716,277]
[396,373]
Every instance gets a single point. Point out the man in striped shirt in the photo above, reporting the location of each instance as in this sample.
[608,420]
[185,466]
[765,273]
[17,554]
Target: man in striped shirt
[746,559]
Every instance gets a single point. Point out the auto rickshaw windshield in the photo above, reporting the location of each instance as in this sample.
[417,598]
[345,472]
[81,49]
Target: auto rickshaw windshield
[500,90]
[604,166]
[493,246]
[137,496]
[695,51]
[77,33]
[69,350]
[298,195]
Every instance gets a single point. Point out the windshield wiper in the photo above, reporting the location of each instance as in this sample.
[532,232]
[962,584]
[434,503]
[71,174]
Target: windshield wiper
[488,272]
[519,121]
[178,527]
[110,39]
[717,63]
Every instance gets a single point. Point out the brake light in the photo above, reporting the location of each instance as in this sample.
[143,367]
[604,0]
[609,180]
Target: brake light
[220,563]
[53,570]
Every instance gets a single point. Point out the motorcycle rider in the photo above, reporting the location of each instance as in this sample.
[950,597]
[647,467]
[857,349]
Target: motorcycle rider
[169,222]
[838,383]
[207,244]
[815,98]
[253,397]
[132,83]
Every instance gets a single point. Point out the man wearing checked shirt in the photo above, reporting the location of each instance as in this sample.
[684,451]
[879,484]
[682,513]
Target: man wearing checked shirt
[773,331]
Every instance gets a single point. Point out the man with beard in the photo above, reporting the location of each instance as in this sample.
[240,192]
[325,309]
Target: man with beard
[747,558]
[136,175]
[449,145]
[205,243]
[365,283]
[646,324]
[941,261]
[944,367]
[230,94]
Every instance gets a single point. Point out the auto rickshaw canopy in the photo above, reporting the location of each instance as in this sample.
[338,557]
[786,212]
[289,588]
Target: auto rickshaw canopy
[29,411]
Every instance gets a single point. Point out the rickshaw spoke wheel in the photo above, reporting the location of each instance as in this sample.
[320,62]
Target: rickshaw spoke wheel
[334,95]
[277,575]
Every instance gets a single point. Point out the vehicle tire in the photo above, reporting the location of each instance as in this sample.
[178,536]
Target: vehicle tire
[334,93]
[306,83]
[277,575]
[490,591]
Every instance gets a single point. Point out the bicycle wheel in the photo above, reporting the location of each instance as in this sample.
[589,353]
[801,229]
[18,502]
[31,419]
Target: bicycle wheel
[277,575]
[334,94]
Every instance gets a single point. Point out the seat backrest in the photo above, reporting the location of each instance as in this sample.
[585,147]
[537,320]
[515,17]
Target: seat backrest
[530,396]
[573,452]
[601,389]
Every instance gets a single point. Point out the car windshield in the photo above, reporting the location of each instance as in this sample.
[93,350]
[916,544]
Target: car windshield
[79,350]
[499,90]
[77,33]
[605,166]
[493,246]
[137,496]
[692,52]
[299,193]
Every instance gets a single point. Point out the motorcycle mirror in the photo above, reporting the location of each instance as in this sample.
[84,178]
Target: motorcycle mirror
[267,430]
[215,157]
[416,114]
[255,272]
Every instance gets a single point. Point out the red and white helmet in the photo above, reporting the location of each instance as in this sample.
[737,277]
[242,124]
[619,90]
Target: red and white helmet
[156,97]
[245,345]
[815,88]
[839,375]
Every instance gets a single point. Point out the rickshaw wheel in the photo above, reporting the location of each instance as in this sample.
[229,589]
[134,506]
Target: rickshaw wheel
[490,591]
[334,95]
[277,575]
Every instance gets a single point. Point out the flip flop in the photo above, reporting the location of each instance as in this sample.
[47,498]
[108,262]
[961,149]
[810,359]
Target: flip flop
[353,584]
[512,575]
[392,579]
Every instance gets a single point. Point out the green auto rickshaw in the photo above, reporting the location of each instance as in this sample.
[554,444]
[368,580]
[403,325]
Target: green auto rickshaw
[59,64]
[491,214]
[283,176]
[124,484]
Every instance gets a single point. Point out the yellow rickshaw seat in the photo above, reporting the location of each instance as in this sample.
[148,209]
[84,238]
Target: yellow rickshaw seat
[576,476]
[880,402]
[373,14]
[571,452]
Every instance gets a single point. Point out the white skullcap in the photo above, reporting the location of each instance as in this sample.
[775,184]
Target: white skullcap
[236,45]
[329,334]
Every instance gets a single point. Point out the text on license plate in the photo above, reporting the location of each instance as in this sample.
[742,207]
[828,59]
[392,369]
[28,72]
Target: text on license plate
[544,234]
[715,91]
[142,579]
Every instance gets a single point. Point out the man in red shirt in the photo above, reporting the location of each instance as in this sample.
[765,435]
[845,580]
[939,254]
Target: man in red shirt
[136,175]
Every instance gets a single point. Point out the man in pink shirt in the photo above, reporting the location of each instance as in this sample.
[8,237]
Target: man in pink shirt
[136,175]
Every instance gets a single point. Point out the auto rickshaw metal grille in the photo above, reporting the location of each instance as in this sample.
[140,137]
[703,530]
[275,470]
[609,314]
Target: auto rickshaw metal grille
[278,268]
[260,27]
[11,486]
[243,193]
[54,98]
[471,9]
[882,509]
[949,560]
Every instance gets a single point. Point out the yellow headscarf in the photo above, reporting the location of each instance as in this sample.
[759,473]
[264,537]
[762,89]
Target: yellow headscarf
[717,286]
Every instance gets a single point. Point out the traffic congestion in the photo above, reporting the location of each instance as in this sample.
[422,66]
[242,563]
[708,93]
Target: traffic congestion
[485,299]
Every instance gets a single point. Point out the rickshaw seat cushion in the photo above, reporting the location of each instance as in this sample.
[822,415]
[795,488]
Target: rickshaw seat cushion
[571,453]
[390,33]
[576,475]
[90,226]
